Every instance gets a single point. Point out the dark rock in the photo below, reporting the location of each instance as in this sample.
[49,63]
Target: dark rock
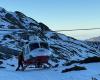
[87,60]
[75,68]
[44,27]
[70,63]
[1,62]
[91,60]
[56,65]
[2,67]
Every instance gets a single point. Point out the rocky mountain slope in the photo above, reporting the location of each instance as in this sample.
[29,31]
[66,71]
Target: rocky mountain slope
[94,42]
[64,48]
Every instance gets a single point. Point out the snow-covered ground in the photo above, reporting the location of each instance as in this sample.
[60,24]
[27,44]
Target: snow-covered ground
[9,73]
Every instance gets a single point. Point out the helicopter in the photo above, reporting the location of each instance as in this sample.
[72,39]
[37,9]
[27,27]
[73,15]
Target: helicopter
[38,54]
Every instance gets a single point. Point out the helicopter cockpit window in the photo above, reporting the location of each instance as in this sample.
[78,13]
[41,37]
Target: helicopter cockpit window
[44,45]
[34,46]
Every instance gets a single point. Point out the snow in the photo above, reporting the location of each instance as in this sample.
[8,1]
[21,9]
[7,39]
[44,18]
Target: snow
[28,20]
[93,71]
[4,33]
[4,23]
[1,37]
[63,37]
[49,34]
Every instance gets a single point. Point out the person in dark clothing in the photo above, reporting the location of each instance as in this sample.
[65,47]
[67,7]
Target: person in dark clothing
[20,61]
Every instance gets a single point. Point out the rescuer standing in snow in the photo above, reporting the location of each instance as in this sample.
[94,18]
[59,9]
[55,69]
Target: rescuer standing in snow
[20,61]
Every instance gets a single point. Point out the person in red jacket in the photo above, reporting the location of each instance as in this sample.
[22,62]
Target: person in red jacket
[20,61]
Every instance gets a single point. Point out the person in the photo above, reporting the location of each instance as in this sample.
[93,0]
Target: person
[20,61]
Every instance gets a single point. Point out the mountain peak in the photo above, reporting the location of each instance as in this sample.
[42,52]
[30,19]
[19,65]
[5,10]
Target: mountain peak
[2,9]
[13,20]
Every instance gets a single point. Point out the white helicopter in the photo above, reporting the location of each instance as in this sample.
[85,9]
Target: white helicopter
[37,53]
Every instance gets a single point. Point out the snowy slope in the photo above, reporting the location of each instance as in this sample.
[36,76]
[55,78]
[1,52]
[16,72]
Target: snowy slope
[68,48]
[94,42]
[93,71]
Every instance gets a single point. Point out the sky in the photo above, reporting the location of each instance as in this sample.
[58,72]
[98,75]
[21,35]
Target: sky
[61,14]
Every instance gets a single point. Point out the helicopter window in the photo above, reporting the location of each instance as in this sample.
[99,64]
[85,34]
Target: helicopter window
[44,45]
[34,46]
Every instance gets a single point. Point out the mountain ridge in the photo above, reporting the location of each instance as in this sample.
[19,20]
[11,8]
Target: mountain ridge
[94,39]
